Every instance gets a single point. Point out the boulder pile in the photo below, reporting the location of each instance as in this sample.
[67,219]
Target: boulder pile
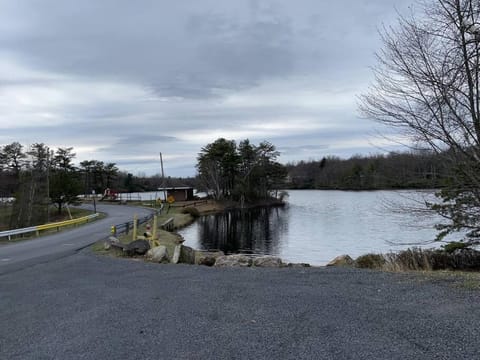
[186,255]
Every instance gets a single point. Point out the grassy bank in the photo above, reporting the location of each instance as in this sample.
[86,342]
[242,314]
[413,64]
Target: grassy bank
[5,213]
[462,279]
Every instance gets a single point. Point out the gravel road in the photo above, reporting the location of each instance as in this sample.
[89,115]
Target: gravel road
[86,306]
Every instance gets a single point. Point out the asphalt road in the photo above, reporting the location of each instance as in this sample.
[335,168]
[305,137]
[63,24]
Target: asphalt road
[87,306]
[18,255]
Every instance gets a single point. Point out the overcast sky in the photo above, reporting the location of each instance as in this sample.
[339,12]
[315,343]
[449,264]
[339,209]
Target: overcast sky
[123,80]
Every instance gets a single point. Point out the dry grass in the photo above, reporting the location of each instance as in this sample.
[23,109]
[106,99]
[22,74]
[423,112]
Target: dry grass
[421,260]
[458,269]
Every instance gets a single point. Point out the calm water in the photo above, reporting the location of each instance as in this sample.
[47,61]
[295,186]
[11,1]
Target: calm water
[318,225]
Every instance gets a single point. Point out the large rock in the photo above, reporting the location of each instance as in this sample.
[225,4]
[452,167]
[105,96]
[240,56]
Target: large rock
[113,240]
[137,247]
[267,261]
[107,244]
[207,258]
[183,255]
[158,254]
[233,260]
[342,260]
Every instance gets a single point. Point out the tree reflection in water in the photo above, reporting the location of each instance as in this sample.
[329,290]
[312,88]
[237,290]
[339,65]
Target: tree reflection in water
[252,231]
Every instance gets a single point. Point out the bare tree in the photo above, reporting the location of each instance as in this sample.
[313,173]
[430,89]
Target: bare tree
[31,205]
[427,85]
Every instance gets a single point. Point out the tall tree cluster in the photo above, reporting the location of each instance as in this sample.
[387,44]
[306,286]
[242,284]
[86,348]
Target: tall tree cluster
[427,85]
[38,177]
[98,175]
[246,172]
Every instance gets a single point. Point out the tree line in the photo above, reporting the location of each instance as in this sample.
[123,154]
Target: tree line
[408,170]
[38,177]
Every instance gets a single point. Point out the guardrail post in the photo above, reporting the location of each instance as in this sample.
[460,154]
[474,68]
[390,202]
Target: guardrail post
[135,225]
[155,224]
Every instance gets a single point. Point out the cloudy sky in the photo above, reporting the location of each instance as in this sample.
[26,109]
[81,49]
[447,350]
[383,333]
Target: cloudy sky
[123,80]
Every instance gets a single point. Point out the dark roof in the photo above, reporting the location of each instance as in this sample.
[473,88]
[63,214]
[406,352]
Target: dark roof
[176,188]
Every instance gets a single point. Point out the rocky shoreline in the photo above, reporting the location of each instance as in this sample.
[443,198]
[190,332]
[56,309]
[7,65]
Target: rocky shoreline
[167,247]
[182,254]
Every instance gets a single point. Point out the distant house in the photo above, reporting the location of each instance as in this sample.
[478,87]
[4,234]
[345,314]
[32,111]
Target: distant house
[179,193]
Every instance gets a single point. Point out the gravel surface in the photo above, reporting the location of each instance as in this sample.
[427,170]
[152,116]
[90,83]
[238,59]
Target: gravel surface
[86,306]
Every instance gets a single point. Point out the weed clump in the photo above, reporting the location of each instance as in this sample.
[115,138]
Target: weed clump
[370,261]
[410,259]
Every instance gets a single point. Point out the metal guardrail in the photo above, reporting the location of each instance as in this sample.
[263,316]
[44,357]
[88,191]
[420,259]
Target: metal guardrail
[124,228]
[67,222]
[168,225]
[119,228]
[38,228]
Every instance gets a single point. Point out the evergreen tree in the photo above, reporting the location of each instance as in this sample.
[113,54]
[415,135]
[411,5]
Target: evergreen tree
[64,182]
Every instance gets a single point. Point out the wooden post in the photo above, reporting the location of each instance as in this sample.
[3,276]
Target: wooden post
[155,224]
[135,222]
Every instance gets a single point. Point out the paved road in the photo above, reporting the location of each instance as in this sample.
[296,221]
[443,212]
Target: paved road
[87,306]
[26,253]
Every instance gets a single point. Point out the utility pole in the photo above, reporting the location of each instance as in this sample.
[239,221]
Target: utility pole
[48,184]
[163,179]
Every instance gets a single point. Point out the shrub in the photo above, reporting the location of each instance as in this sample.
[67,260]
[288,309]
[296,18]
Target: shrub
[370,261]
[454,245]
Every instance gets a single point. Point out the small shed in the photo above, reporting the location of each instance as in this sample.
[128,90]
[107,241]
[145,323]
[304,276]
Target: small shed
[179,193]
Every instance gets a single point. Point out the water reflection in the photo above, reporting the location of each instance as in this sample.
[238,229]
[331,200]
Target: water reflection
[258,231]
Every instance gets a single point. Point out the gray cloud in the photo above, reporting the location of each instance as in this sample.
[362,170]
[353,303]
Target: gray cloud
[122,80]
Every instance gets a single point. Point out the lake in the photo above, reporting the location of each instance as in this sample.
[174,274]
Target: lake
[318,225]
